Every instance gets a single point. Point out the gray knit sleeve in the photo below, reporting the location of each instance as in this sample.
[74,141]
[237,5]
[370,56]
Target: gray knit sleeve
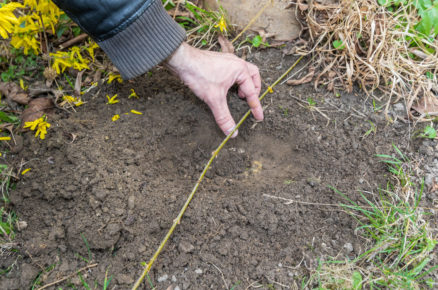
[146,42]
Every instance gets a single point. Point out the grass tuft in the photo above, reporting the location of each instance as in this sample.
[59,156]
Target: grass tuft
[401,244]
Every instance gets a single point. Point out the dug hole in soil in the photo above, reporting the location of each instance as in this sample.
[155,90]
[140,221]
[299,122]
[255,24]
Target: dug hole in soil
[121,184]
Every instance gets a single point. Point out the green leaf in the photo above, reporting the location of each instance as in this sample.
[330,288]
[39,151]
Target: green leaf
[168,4]
[8,118]
[5,227]
[338,44]
[357,280]
[430,132]
[257,41]
[429,75]
[429,22]
[76,30]
[60,31]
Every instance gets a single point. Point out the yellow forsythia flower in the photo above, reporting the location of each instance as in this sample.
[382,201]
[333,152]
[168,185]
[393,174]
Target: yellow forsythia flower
[91,49]
[133,94]
[115,118]
[222,24]
[72,58]
[40,125]
[25,171]
[5,138]
[8,19]
[270,90]
[112,100]
[73,100]
[112,77]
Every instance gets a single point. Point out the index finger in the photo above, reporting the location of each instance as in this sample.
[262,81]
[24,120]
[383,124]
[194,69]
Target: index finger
[248,90]
[255,75]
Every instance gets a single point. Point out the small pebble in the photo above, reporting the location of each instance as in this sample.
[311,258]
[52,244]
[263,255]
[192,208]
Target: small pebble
[399,108]
[131,202]
[348,247]
[21,225]
[185,247]
[162,278]
[173,279]
[176,288]
[198,271]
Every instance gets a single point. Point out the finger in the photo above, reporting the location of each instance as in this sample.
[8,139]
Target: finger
[255,75]
[257,81]
[248,90]
[222,115]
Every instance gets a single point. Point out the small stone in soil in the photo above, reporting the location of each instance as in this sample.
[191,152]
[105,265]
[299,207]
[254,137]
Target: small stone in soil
[131,202]
[198,271]
[162,278]
[348,247]
[125,279]
[185,247]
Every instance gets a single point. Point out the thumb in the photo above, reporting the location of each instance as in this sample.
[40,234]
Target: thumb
[222,115]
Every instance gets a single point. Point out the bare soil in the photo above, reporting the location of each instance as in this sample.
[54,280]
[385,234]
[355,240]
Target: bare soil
[121,184]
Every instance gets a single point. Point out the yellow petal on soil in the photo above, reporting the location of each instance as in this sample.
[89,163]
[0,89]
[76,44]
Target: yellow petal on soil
[5,138]
[25,171]
[22,85]
[112,77]
[115,118]
[136,112]
[112,100]
[133,94]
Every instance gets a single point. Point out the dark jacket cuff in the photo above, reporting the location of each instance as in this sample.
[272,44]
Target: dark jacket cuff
[148,41]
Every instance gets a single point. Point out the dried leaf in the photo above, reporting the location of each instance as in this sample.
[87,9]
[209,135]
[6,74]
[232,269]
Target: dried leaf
[6,126]
[226,45]
[97,76]
[434,187]
[13,92]
[78,83]
[306,79]
[427,105]
[37,108]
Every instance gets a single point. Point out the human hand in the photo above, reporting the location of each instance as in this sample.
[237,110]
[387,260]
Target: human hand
[211,74]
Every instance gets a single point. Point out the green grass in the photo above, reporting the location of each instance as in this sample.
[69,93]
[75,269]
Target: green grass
[399,237]
[8,218]
[37,281]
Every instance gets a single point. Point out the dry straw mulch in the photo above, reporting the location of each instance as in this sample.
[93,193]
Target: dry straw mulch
[376,53]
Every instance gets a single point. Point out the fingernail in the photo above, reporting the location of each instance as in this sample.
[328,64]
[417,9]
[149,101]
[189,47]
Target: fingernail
[234,134]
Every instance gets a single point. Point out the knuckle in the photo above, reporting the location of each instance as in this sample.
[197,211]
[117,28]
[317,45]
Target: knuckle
[222,120]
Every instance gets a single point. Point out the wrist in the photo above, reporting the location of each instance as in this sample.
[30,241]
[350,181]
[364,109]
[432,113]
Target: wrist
[178,60]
